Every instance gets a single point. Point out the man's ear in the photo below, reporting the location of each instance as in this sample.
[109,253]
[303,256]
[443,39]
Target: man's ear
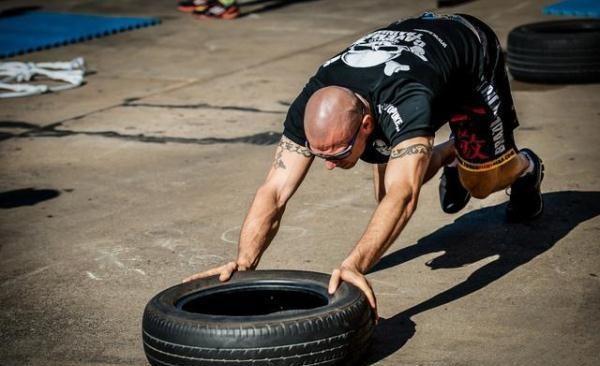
[368,123]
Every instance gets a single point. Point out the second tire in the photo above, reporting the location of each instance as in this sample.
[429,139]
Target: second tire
[563,51]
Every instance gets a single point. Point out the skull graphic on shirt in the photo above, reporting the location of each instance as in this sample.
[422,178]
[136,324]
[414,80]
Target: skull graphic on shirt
[382,47]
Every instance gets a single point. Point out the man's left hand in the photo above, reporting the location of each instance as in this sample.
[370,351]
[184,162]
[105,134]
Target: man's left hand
[353,276]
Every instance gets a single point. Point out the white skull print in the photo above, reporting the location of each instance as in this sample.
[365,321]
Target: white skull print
[382,47]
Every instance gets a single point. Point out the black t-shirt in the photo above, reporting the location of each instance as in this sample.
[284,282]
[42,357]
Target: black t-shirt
[408,71]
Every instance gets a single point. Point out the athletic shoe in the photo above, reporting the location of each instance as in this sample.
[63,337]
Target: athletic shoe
[188,6]
[453,196]
[526,201]
[217,11]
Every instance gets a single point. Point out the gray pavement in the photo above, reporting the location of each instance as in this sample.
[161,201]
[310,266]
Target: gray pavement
[143,177]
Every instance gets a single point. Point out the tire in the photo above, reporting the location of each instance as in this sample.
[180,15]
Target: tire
[257,318]
[446,3]
[563,51]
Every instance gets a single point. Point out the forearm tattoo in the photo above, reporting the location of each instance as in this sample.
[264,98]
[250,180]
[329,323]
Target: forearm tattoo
[288,145]
[411,150]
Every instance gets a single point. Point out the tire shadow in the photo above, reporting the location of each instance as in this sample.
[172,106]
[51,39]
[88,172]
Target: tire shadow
[472,237]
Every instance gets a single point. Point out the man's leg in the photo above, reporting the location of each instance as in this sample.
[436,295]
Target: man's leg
[523,173]
[483,183]
[483,125]
[488,161]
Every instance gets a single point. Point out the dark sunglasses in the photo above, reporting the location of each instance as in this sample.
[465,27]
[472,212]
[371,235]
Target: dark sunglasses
[344,153]
[340,155]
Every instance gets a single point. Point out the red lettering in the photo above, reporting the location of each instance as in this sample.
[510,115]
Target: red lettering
[459,118]
[470,147]
[478,110]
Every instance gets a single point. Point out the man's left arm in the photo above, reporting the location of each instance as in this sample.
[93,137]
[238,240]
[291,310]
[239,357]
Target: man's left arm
[403,179]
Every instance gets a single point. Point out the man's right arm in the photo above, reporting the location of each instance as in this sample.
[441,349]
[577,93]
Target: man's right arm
[290,165]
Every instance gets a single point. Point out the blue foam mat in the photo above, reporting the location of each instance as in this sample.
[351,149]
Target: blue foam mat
[36,30]
[577,8]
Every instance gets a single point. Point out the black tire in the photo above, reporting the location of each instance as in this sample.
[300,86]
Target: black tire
[257,318]
[446,3]
[563,51]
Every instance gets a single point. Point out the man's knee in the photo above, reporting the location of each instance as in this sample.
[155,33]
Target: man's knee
[479,191]
[479,184]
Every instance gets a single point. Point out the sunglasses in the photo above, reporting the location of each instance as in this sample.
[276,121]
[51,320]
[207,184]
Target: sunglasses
[344,153]
[340,155]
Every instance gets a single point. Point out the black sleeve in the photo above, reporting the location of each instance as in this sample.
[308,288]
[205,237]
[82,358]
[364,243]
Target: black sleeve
[293,127]
[406,116]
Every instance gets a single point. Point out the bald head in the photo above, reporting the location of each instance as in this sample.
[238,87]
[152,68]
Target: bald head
[331,116]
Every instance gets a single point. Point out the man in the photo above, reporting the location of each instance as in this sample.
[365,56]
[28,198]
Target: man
[381,100]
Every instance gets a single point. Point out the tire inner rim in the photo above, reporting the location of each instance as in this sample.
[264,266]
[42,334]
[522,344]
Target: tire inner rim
[251,300]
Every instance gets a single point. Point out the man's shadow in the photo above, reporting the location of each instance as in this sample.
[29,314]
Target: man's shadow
[472,237]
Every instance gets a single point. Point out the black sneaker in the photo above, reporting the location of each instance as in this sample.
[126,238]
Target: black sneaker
[525,193]
[453,196]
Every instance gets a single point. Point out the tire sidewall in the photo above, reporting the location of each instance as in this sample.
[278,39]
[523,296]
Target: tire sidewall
[162,318]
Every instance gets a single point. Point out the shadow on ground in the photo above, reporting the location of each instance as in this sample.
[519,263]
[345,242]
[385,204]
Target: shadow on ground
[11,12]
[26,197]
[472,237]
[53,130]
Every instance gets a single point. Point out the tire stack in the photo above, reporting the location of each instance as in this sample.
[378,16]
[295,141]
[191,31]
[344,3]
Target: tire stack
[564,51]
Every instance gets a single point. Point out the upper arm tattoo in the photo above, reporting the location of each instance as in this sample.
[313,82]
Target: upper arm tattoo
[288,145]
[278,163]
[424,149]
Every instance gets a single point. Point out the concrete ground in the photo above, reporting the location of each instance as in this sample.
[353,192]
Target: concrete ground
[116,190]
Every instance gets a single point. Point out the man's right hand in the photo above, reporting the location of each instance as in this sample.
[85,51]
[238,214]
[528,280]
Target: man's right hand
[225,271]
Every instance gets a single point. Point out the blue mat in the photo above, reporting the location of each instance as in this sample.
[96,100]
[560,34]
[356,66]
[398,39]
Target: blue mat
[577,8]
[36,30]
